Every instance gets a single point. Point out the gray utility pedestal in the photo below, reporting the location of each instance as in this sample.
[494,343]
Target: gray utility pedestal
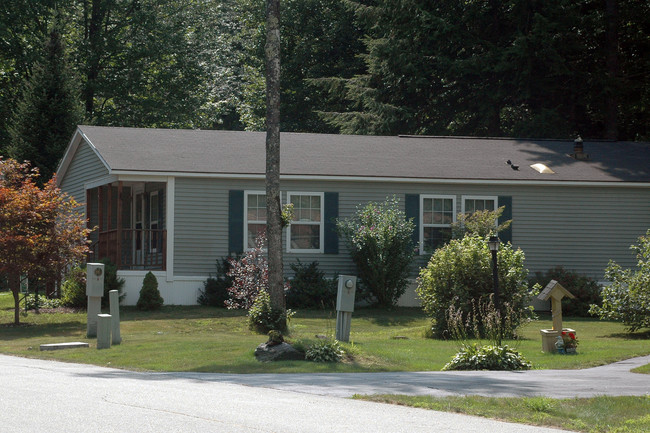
[103,331]
[345,306]
[114,298]
[94,291]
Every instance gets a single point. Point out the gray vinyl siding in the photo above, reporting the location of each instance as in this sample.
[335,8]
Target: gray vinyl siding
[84,167]
[580,228]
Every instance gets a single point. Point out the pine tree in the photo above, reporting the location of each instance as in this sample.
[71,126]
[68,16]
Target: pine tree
[48,112]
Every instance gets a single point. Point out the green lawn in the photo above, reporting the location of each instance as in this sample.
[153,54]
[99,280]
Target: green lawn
[206,339]
[598,414]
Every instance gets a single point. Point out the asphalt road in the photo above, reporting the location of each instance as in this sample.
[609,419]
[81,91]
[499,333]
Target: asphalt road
[48,396]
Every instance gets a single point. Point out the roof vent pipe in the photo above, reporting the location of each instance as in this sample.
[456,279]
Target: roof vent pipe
[579,150]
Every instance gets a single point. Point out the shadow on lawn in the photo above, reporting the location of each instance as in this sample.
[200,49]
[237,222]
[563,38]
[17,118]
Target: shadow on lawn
[631,335]
[30,330]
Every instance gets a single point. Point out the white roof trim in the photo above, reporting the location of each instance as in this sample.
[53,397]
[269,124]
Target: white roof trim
[70,151]
[124,173]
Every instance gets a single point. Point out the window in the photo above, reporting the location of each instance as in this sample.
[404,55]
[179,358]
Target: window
[437,214]
[472,204]
[305,233]
[255,205]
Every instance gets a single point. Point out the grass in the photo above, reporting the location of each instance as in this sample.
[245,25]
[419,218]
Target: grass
[204,339]
[645,369]
[598,414]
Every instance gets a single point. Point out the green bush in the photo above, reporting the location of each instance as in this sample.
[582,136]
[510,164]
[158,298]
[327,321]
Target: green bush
[627,299]
[73,289]
[489,357]
[379,238]
[460,273]
[215,289]
[310,289]
[586,290]
[111,282]
[262,318]
[324,351]
[32,302]
[150,298]
[481,223]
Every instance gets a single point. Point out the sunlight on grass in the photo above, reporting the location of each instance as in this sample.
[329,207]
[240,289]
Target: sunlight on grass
[195,338]
[598,414]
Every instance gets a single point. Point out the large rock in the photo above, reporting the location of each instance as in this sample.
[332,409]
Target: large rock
[277,352]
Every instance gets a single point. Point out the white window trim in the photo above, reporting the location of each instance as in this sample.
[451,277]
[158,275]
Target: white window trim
[321,223]
[246,221]
[433,196]
[480,197]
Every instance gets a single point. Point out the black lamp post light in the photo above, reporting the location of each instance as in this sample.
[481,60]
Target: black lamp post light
[494,243]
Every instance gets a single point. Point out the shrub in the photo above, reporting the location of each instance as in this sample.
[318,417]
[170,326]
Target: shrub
[33,303]
[461,272]
[262,318]
[73,289]
[111,282]
[249,275]
[310,289]
[324,351]
[627,299]
[488,357]
[585,289]
[379,238]
[481,223]
[215,289]
[150,298]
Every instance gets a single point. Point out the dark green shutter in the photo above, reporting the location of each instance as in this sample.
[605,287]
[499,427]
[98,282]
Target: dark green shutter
[235,221]
[506,200]
[412,210]
[331,211]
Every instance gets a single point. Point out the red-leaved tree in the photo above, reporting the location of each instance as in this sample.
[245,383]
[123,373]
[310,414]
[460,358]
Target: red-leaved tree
[41,230]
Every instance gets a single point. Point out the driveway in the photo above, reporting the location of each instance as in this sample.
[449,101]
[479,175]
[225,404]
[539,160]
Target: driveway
[49,396]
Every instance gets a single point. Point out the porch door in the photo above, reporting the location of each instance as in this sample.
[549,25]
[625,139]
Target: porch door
[138,224]
[153,222]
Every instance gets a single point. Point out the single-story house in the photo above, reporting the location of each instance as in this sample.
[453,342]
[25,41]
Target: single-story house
[176,201]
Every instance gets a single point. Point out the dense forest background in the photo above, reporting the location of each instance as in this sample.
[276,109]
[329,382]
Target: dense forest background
[525,68]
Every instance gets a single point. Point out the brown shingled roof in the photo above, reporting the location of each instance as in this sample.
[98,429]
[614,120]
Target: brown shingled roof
[230,152]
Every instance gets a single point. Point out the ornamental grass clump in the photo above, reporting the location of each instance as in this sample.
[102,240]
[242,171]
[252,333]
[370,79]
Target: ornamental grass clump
[379,238]
[485,322]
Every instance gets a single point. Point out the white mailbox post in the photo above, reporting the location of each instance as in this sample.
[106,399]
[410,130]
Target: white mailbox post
[94,291]
[345,306]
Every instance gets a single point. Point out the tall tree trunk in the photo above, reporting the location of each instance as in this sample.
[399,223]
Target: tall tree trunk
[14,284]
[94,49]
[273,209]
[613,68]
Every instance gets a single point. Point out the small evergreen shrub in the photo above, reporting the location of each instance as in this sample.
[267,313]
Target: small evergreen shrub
[150,298]
[111,282]
[262,318]
[325,351]
[73,289]
[480,223]
[379,238]
[627,299]
[476,357]
[310,289]
[585,289]
[460,273]
[215,289]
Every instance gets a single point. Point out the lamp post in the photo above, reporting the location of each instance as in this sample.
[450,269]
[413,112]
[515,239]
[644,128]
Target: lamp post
[493,243]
